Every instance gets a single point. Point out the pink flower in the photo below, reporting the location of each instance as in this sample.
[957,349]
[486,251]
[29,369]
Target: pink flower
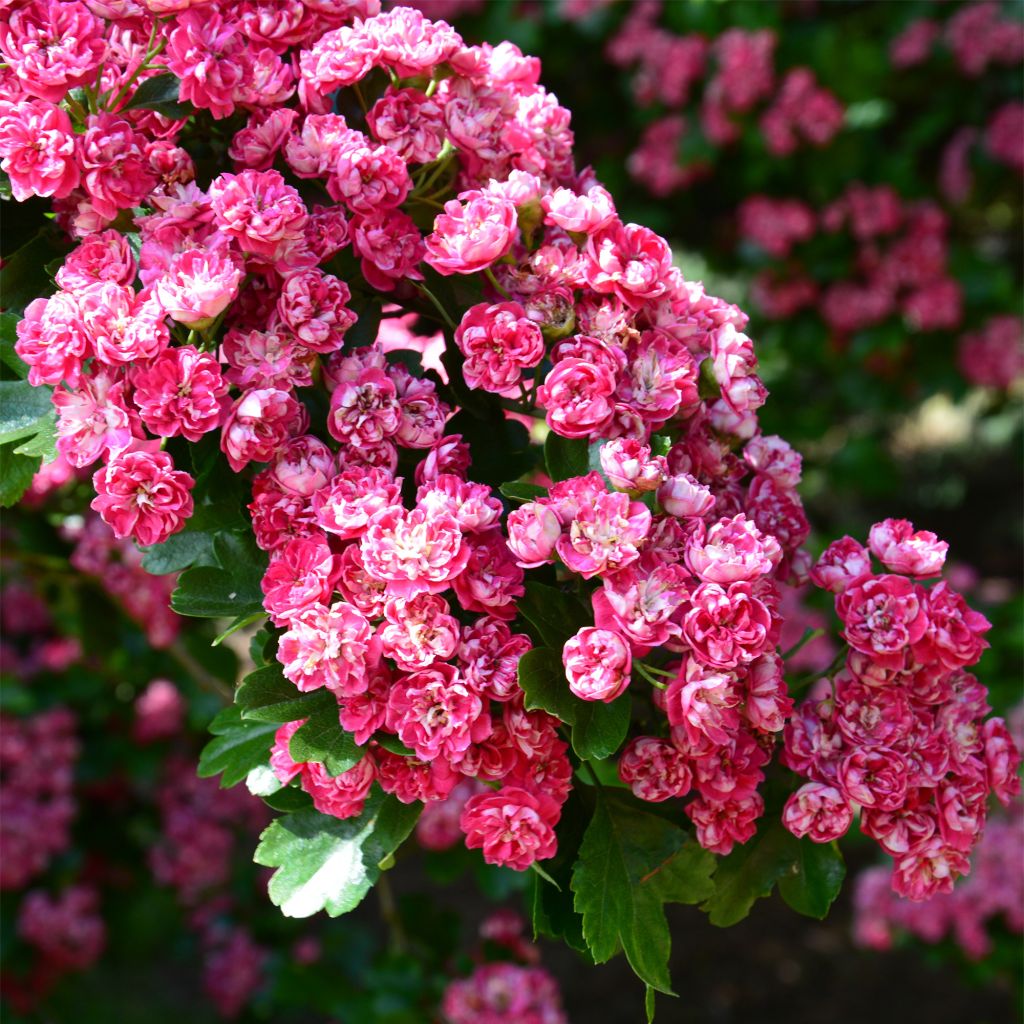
[198,286]
[179,392]
[313,305]
[641,602]
[364,410]
[629,465]
[682,496]
[52,340]
[533,529]
[301,575]
[390,247]
[1002,761]
[117,173]
[210,59]
[597,664]
[513,827]
[258,425]
[720,825]
[418,631]
[467,238]
[585,213]
[263,214]
[368,178]
[93,418]
[123,326]
[303,466]
[874,778]
[654,769]
[628,261]
[409,123]
[882,617]
[498,343]
[436,713]
[954,632]
[604,536]
[37,147]
[727,626]
[732,550]
[929,867]
[894,542]
[704,705]
[142,495]
[491,581]
[52,47]
[576,396]
[103,256]
[817,811]
[414,552]
[842,562]
[500,993]
[330,646]
[341,796]
[349,501]
[256,145]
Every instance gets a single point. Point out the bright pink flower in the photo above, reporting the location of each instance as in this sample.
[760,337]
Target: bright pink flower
[301,575]
[842,562]
[303,466]
[179,392]
[418,631]
[629,261]
[874,778]
[365,410]
[489,656]
[682,496]
[817,811]
[954,633]
[597,664]
[52,47]
[209,56]
[467,238]
[123,326]
[142,495]
[436,713]
[641,602]
[263,214]
[93,418]
[491,581]
[103,256]
[117,172]
[37,150]
[341,796]
[346,505]
[330,646]
[258,425]
[256,145]
[409,123]
[498,343]
[604,536]
[369,178]
[720,825]
[654,769]
[1002,761]
[882,616]
[52,340]
[727,626]
[576,396]
[390,247]
[198,286]
[313,305]
[513,827]
[533,529]
[411,778]
[586,213]
[629,465]
[894,542]
[414,552]
[732,550]
[928,868]
[500,993]
[705,705]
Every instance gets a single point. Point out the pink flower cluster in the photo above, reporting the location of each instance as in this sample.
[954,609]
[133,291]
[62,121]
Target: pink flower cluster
[900,262]
[736,75]
[37,762]
[503,993]
[993,357]
[979,35]
[67,930]
[993,894]
[900,732]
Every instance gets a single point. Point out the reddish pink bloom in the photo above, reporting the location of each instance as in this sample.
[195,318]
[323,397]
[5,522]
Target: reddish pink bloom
[654,769]
[409,123]
[198,286]
[628,261]
[468,238]
[179,392]
[414,552]
[314,306]
[117,172]
[727,626]
[1002,761]
[103,256]
[364,410]
[37,150]
[436,713]
[498,343]
[732,550]
[346,505]
[52,340]
[390,247]
[303,466]
[842,562]
[817,811]
[301,575]
[629,465]
[368,178]
[418,631]
[258,425]
[93,418]
[533,529]
[209,57]
[142,495]
[954,632]
[122,325]
[894,542]
[585,213]
[929,867]
[720,825]
[605,536]
[882,616]
[682,496]
[52,47]
[341,796]
[577,398]
[264,215]
[513,827]
[330,646]
[597,664]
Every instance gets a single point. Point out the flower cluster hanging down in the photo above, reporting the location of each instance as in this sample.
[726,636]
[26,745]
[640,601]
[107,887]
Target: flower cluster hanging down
[381,166]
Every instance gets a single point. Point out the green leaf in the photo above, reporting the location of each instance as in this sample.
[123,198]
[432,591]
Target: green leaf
[327,864]
[566,457]
[649,1003]
[8,336]
[598,729]
[16,472]
[238,746]
[44,442]
[266,696]
[23,275]
[814,879]
[160,93]
[22,407]
[518,491]
[554,614]
[179,551]
[231,589]
[322,739]
[394,744]
[629,866]
[750,873]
